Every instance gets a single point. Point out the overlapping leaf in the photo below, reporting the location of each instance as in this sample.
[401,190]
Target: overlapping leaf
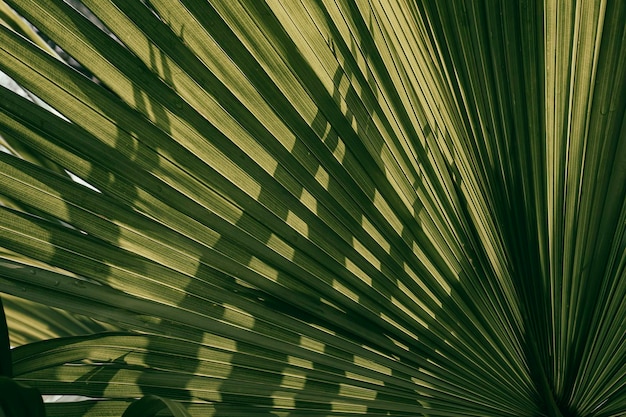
[323,207]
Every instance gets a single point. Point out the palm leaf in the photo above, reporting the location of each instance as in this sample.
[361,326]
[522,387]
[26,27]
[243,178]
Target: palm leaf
[319,207]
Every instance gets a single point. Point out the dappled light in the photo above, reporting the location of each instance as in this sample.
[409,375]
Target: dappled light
[314,208]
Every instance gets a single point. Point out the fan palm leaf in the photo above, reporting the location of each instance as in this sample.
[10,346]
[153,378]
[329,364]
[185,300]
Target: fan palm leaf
[317,207]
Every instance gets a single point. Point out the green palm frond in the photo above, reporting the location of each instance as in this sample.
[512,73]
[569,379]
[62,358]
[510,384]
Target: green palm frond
[316,207]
